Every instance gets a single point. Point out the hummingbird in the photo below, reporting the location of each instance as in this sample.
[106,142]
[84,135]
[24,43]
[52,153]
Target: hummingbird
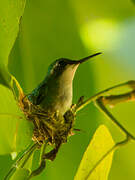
[54,93]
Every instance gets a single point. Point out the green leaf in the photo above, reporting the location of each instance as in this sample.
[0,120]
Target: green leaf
[15,130]
[10,14]
[24,135]
[6,163]
[100,144]
[20,174]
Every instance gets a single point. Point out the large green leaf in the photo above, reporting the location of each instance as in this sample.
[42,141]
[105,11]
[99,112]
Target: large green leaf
[10,14]
[15,130]
[101,143]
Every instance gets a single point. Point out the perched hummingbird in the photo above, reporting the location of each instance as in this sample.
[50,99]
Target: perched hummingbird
[54,93]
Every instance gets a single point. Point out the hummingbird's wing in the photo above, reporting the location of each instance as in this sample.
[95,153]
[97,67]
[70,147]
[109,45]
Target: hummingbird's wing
[38,94]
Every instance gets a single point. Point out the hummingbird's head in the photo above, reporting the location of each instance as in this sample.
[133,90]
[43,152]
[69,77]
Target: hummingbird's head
[66,67]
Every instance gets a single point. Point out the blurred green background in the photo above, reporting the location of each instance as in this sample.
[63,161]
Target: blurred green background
[75,29]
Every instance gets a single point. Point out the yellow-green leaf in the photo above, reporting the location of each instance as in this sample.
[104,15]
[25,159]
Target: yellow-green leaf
[15,130]
[20,174]
[100,144]
[10,14]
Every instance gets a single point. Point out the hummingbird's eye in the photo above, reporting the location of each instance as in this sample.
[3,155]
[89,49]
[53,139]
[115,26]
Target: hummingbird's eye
[62,63]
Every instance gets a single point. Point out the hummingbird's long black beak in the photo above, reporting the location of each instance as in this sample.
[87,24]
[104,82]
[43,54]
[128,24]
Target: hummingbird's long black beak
[87,58]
